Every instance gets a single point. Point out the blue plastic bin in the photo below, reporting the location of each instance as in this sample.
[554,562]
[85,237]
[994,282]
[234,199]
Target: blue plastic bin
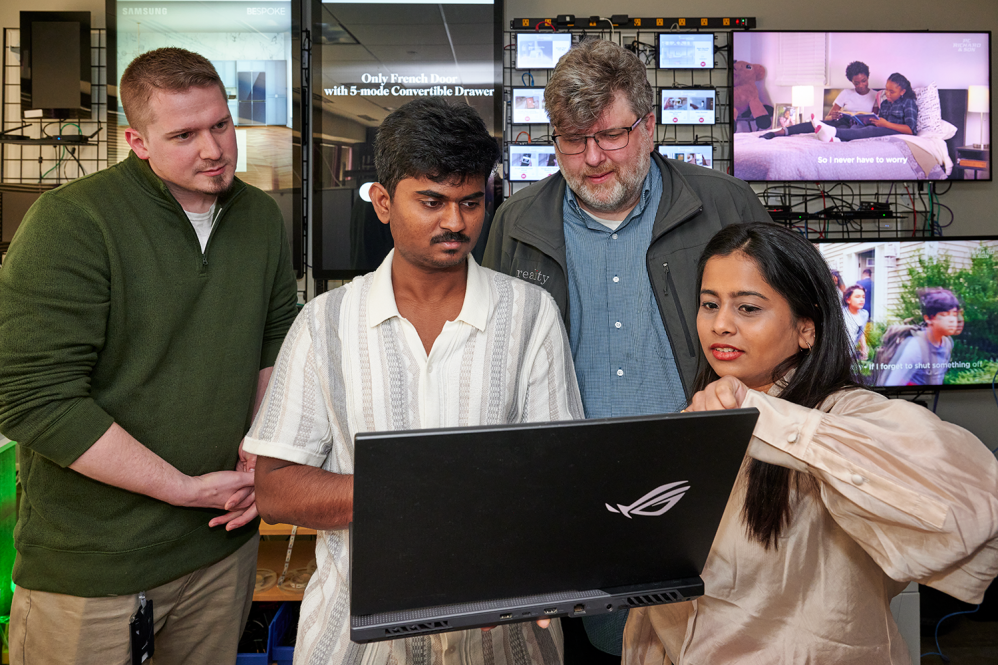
[285,621]
[265,658]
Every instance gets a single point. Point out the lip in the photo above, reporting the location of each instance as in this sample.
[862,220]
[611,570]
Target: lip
[733,354]
[214,172]
[600,179]
[450,244]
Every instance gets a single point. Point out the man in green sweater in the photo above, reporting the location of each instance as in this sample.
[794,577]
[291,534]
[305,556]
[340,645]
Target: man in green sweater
[141,311]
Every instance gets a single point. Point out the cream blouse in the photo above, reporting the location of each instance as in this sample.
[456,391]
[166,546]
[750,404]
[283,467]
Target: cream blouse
[903,496]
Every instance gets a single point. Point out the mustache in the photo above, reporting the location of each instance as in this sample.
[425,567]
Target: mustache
[450,236]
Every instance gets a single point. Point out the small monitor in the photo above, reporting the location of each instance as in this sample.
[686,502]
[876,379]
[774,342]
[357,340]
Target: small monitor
[528,107]
[529,162]
[685,50]
[691,153]
[688,106]
[541,50]
[55,64]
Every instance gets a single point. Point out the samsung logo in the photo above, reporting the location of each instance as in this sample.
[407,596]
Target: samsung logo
[143,11]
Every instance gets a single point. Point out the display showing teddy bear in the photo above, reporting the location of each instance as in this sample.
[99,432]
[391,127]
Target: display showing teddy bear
[746,99]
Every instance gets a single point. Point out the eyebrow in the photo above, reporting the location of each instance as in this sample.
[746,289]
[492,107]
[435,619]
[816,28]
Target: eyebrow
[736,294]
[439,195]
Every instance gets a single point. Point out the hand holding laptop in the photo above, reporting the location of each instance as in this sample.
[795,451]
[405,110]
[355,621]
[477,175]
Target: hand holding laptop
[725,393]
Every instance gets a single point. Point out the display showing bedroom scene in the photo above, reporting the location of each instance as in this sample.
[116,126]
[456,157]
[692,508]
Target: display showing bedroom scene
[861,106]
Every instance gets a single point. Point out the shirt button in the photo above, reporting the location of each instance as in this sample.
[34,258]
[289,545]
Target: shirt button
[614,236]
[616,279]
[617,324]
[620,372]
[857,479]
[792,437]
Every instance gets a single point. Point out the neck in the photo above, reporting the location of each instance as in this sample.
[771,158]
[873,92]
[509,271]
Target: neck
[191,201]
[421,285]
[618,215]
[933,336]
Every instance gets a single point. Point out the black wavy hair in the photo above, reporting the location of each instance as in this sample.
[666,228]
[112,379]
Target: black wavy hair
[898,79]
[794,268]
[936,299]
[848,293]
[433,138]
[856,67]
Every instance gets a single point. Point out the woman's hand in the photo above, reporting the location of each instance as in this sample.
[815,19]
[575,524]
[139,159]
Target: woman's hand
[725,393]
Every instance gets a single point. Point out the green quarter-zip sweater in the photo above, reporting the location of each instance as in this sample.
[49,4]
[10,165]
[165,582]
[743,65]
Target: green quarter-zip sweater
[110,312]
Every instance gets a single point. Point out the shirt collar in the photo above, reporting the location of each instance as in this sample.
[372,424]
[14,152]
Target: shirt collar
[381,304]
[646,195]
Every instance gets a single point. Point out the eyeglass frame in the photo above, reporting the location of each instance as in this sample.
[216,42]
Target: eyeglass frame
[555,137]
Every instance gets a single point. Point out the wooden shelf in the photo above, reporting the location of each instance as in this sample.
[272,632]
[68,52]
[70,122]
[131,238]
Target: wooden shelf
[271,556]
[282,530]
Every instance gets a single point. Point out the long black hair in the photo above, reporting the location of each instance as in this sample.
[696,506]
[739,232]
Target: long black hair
[900,80]
[794,268]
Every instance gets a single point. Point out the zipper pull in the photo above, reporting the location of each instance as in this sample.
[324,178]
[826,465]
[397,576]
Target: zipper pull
[666,285]
[204,260]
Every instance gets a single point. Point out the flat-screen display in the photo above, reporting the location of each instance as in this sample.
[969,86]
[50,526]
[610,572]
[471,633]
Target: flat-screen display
[55,64]
[920,313]
[688,106]
[685,50]
[529,162]
[540,50]
[528,107]
[802,76]
[691,153]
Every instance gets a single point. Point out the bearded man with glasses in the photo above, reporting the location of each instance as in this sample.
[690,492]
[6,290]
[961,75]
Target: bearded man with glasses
[615,238]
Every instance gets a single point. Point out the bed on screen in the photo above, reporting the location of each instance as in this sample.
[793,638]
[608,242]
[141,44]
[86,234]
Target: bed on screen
[925,156]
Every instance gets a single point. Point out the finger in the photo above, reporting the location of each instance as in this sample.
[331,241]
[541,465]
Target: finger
[726,395]
[544,623]
[238,499]
[697,403]
[248,516]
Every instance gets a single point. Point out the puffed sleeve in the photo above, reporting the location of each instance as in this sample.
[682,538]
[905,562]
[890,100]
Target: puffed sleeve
[918,494]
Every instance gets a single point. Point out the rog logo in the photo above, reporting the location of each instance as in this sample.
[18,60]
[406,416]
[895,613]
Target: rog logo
[655,502]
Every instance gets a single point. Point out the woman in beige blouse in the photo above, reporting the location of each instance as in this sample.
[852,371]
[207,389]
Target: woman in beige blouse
[844,496]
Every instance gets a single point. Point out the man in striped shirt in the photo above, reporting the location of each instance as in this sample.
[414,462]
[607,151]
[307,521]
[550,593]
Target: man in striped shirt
[428,340]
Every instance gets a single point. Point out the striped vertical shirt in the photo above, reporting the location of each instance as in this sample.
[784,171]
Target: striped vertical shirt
[352,364]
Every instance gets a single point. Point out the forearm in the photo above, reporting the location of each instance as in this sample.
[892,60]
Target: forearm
[303,495]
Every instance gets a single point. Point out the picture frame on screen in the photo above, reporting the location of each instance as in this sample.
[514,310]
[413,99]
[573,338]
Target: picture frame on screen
[528,107]
[530,162]
[701,154]
[885,106]
[540,50]
[687,106]
[685,50]
[921,313]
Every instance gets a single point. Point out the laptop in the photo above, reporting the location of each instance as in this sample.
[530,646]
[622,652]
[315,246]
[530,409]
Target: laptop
[480,526]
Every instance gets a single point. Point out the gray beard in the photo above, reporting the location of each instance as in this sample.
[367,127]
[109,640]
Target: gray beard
[624,189]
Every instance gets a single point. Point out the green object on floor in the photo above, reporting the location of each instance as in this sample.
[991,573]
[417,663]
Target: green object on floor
[8,517]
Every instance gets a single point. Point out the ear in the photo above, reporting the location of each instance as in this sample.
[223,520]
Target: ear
[805,334]
[136,143]
[381,201]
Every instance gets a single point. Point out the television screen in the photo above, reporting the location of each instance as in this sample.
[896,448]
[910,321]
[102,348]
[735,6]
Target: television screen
[934,128]
[55,64]
[528,107]
[921,313]
[685,50]
[701,155]
[539,50]
[688,106]
[530,161]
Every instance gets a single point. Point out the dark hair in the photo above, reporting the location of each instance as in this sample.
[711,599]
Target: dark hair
[435,139]
[171,69]
[867,271]
[856,67]
[794,268]
[848,293]
[899,80]
[936,299]
[837,278]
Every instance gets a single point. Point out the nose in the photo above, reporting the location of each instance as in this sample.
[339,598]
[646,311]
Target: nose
[209,148]
[724,322]
[594,155]
[452,219]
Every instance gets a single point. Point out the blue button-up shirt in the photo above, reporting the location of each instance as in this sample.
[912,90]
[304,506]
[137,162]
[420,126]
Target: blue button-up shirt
[623,358]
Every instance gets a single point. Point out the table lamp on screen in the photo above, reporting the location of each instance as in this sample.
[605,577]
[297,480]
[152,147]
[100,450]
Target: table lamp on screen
[977,102]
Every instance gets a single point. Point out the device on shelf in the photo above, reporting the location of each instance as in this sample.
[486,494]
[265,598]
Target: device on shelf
[541,50]
[685,50]
[688,106]
[691,153]
[529,162]
[528,107]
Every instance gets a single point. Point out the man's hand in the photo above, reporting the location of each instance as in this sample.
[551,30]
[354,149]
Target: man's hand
[242,504]
[725,393]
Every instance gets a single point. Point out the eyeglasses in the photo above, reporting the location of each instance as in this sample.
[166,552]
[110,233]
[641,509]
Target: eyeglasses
[608,139]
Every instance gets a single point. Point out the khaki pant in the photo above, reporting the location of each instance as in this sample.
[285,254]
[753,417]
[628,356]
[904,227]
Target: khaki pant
[198,619]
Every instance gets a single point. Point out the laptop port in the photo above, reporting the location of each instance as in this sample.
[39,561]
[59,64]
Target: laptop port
[551,610]
[508,615]
[609,607]
[580,609]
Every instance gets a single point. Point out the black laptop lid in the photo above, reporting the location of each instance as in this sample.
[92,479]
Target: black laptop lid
[468,514]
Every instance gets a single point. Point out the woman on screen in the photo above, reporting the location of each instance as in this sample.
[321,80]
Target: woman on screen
[856,317]
[844,495]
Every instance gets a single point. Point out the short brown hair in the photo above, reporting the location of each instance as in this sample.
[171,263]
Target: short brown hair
[171,69]
[587,78]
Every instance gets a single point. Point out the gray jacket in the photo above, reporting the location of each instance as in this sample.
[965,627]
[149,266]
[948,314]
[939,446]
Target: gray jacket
[527,240]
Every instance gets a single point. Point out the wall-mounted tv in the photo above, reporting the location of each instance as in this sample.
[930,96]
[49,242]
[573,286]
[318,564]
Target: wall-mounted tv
[541,50]
[529,162]
[828,75]
[55,64]
[691,153]
[922,312]
[685,50]
[528,107]
[688,106]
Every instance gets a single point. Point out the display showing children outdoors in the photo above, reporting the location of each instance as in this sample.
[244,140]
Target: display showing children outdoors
[920,312]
